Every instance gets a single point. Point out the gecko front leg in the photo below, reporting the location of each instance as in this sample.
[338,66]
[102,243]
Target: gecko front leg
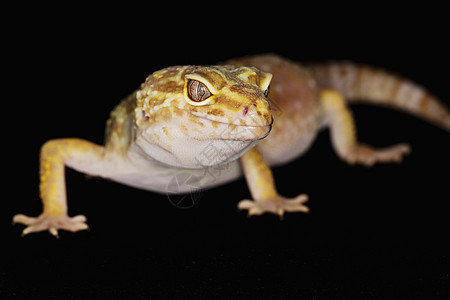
[55,155]
[262,187]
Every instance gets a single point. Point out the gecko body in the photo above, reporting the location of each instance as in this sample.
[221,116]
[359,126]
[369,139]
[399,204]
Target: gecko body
[217,123]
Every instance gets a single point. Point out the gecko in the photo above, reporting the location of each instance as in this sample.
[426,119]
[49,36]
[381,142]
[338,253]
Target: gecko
[221,122]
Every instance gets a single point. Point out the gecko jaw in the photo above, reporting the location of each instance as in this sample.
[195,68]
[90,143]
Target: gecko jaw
[232,131]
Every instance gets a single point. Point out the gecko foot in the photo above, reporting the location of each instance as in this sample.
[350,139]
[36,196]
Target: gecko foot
[277,205]
[51,223]
[368,156]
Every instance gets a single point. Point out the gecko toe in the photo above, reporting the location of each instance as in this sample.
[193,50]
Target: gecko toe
[22,219]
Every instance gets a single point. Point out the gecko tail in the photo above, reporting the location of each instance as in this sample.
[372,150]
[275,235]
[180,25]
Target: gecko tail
[366,84]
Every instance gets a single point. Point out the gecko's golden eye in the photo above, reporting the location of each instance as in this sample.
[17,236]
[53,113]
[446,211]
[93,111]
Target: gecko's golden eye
[197,91]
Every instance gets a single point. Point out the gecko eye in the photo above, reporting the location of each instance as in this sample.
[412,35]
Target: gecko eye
[197,91]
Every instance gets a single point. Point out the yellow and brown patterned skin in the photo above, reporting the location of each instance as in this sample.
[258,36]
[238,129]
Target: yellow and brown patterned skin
[310,98]
[183,119]
[215,121]
[294,95]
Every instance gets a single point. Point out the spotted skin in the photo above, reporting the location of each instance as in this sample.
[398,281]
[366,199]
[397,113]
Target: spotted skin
[228,124]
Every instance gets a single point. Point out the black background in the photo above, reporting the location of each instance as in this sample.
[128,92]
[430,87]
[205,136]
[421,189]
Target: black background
[375,232]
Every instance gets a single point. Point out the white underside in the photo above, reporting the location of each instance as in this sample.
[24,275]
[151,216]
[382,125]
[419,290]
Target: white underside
[141,171]
[144,172]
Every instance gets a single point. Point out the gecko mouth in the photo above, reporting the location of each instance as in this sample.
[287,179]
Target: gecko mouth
[232,131]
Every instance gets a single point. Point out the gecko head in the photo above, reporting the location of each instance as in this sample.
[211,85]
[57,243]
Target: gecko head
[200,116]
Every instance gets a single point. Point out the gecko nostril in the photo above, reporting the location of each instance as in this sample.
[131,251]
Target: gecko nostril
[144,116]
[245,111]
